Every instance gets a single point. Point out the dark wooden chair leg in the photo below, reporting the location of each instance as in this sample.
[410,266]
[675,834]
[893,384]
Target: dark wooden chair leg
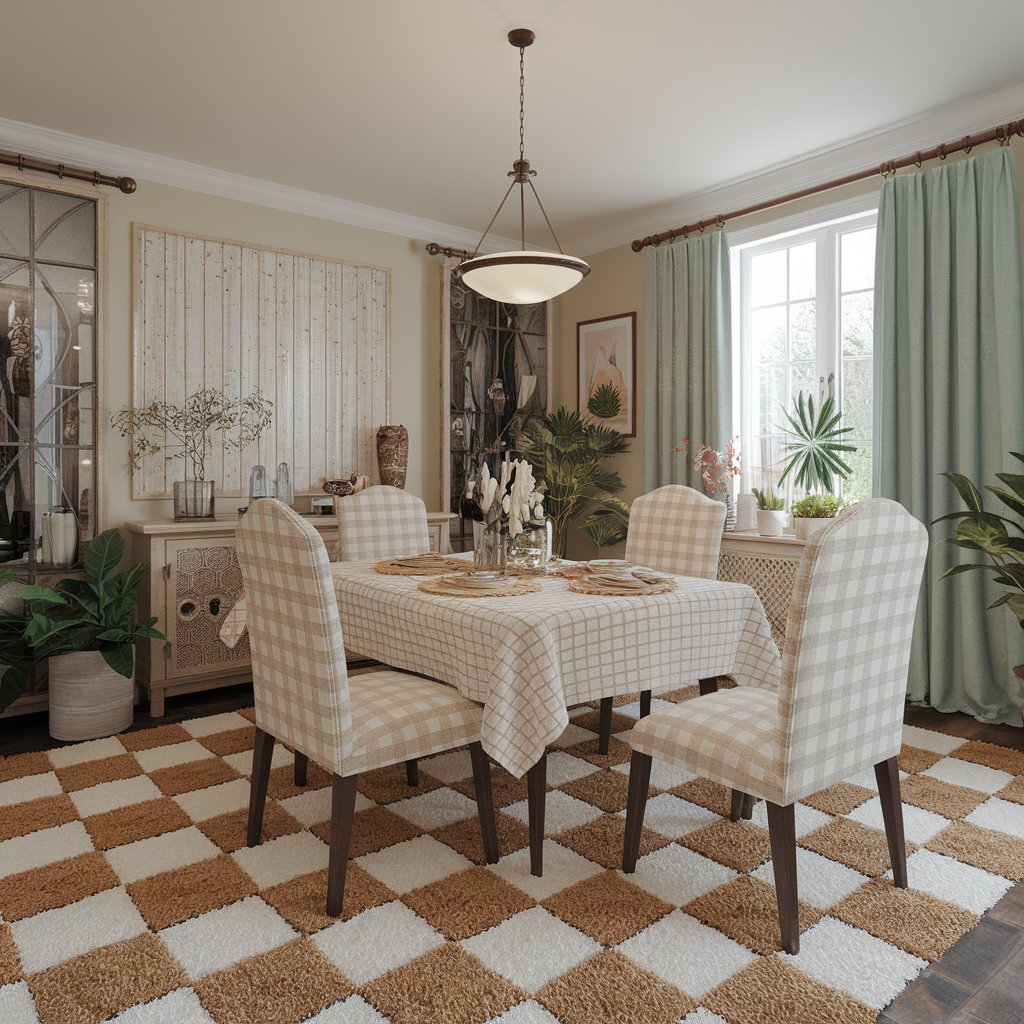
[262,751]
[301,768]
[536,791]
[484,802]
[645,703]
[782,833]
[707,686]
[636,805]
[887,775]
[739,799]
[748,806]
[604,734]
[343,806]
[412,772]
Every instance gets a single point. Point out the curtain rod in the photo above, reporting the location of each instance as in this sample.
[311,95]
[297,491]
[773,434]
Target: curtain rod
[31,163]
[1000,133]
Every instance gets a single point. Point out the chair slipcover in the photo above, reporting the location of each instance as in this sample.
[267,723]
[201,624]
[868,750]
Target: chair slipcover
[676,529]
[381,522]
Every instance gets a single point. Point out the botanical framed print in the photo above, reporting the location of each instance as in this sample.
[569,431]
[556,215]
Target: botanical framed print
[607,371]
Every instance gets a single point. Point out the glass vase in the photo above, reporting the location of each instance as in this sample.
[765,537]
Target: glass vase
[193,499]
[531,549]
[489,545]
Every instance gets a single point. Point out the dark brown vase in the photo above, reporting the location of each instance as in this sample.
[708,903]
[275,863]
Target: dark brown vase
[392,454]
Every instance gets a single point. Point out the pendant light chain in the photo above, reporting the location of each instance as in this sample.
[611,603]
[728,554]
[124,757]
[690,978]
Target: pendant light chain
[522,90]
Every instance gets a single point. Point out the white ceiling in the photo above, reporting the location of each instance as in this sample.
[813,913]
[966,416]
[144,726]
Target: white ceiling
[412,106]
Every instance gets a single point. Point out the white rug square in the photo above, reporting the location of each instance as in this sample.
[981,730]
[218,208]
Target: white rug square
[968,887]
[633,710]
[849,959]
[315,806]
[57,935]
[571,735]
[663,774]
[172,850]
[109,796]
[215,723]
[678,875]
[687,954]
[17,1005]
[449,767]
[203,804]
[407,866]
[925,739]
[354,1010]
[820,881]
[967,773]
[562,868]
[48,845]
[376,941]
[31,788]
[182,1006]
[1001,815]
[172,754]
[220,938]
[561,812]
[807,818]
[278,860]
[528,1012]
[531,948]
[91,750]
[672,817]
[242,761]
[702,1015]
[563,768]
[439,807]
[919,825]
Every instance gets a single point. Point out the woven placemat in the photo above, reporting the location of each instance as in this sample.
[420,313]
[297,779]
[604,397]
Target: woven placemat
[439,566]
[653,585]
[446,587]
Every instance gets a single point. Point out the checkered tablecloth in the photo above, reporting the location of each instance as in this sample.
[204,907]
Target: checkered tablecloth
[526,659]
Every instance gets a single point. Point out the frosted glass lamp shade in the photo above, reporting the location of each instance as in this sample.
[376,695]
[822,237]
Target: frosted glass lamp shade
[523,277]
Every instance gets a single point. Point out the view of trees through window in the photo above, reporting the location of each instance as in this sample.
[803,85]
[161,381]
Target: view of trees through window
[806,310]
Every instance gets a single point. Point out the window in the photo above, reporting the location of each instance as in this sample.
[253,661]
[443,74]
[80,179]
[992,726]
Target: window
[805,317]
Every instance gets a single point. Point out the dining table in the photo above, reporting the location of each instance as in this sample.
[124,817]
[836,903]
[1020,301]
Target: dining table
[528,658]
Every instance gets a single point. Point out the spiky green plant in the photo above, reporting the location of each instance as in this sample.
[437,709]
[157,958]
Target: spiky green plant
[768,500]
[813,451]
[980,530]
[568,453]
[605,403]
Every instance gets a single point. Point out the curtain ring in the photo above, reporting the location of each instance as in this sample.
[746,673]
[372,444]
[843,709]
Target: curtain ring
[918,159]
[21,162]
[1003,134]
[95,179]
[686,232]
[940,151]
[1018,127]
[965,144]
[700,224]
[719,223]
[60,171]
[887,169]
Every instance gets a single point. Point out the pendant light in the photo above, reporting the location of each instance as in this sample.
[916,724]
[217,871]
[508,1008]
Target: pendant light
[523,276]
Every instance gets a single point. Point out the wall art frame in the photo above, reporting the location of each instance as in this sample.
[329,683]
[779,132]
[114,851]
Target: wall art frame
[606,369]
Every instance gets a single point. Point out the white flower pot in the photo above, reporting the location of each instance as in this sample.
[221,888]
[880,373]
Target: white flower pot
[805,528]
[88,699]
[770,523]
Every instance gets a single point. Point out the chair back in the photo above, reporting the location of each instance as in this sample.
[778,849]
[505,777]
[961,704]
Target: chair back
[676,529]
[300,680]
[847,647]
[381,522]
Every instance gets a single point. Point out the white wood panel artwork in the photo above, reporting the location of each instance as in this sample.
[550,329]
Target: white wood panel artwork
[312,334]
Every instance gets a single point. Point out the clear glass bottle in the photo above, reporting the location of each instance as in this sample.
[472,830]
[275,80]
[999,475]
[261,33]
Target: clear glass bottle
[531,549]
[284,484]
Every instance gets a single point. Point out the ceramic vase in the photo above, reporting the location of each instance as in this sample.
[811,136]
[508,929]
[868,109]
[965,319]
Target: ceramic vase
[392,454]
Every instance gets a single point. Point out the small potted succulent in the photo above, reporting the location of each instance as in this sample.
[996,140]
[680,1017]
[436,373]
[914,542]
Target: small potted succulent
[812,512]
[771,512]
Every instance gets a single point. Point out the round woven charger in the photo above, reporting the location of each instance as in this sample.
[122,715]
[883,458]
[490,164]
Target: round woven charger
[391,567]
[445,589]
[583,585]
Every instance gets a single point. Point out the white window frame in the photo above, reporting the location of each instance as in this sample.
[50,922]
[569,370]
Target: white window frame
[823,225]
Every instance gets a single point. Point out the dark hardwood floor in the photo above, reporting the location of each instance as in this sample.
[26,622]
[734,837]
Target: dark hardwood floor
[980,980]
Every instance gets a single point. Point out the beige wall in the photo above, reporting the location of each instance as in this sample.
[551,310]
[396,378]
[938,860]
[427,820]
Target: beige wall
[415,302]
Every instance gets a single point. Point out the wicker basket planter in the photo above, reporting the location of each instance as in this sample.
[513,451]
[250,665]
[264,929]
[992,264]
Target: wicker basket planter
[88,699]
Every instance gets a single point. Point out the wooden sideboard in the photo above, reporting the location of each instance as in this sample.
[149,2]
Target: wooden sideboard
[193,584]
[768,564]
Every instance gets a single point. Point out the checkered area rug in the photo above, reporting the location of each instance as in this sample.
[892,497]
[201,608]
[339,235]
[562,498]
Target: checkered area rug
[127,891]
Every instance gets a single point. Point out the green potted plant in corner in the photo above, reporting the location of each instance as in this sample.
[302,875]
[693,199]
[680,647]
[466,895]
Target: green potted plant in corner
[568,452]
[86,630]
[812,512]
[984,531]
[771,512]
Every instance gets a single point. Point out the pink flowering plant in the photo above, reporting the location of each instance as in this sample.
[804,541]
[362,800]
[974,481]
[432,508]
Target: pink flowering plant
[716,468]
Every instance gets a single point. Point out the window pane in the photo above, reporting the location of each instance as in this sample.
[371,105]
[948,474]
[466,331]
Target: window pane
[857,408]
[65,228]
[858,324]
[802,271]
[857,486]
[857,253]
[802,330]
[772,394]
[803,377]
[13,220]
[768,278]
[768,328]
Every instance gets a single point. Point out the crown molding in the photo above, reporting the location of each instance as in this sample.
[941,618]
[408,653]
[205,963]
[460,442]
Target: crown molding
[35,140]
[942,124]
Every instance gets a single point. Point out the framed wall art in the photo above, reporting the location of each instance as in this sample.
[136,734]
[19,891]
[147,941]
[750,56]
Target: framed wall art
[607,370]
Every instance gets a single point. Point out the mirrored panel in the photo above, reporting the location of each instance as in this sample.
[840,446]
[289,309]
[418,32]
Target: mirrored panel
[14,220]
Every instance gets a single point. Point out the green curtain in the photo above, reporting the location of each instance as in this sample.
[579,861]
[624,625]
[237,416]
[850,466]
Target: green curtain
[949,387]
[688,355]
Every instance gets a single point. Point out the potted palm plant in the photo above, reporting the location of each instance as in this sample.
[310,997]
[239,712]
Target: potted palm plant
[568,453]
[86,630]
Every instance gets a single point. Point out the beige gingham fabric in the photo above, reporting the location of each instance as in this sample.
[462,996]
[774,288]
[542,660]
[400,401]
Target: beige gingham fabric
[839,705]
[676,529]
[303,694]
[381,522]
[527,658]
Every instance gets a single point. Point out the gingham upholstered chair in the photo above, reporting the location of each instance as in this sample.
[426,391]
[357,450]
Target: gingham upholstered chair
[306,699]
[839,706]
[381,522]
[672,529]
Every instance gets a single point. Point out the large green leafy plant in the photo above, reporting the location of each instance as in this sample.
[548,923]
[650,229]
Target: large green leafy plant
[815,445]
[92,614]
[980,530]
[568,454]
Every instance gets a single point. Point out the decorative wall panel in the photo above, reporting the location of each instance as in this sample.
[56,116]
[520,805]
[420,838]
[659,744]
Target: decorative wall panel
[311,333]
